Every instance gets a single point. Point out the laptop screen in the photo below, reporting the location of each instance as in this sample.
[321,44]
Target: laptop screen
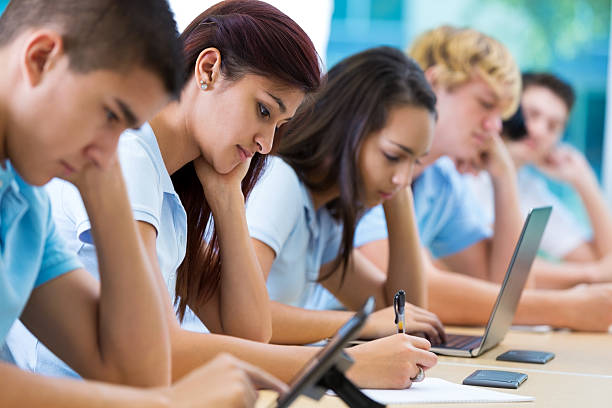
[516,276]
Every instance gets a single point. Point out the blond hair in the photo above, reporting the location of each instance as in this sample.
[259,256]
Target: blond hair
[460,54]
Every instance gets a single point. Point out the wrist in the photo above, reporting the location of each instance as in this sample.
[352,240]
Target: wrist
[224,199]
[104,194]
[502,178]
[355,373]
[591,273]
[95,181]
[157,398]
[367,332]
[399,202]
[540,307]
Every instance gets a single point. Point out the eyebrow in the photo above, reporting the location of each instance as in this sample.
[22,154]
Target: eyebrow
[407,149]
[280,102]
[404,148]
[492,95]
[130,118]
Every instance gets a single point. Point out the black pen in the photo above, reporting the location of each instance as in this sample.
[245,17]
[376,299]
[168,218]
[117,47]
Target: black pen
[399,304]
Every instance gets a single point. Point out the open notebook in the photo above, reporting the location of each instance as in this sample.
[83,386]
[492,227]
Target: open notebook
[439,391]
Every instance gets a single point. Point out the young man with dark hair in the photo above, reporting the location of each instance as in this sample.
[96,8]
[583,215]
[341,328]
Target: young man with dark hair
[554,84]
[585,255]
[76,74]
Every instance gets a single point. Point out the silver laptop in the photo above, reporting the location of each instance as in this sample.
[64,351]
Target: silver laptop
[509,294]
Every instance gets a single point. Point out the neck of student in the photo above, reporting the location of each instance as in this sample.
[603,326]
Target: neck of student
[321,198]
[174,137]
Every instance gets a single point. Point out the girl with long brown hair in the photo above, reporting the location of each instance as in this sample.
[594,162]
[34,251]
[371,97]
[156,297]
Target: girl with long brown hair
[353,147]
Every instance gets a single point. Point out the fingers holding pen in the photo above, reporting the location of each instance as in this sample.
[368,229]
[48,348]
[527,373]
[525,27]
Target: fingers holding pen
[390,362]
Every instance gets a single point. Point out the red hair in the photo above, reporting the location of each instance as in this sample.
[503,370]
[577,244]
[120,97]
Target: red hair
[253,37]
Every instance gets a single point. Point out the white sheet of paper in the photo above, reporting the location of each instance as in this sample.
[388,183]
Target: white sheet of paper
[438,391]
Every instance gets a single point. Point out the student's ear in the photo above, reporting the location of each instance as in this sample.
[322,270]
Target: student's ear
[432,74]
[43,51]
[208,68]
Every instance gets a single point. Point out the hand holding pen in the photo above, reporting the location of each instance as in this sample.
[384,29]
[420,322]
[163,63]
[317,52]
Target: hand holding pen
[399,306]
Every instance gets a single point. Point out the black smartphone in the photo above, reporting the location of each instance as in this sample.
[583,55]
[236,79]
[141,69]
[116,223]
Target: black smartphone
[495,378]
[312,372]
[526,356]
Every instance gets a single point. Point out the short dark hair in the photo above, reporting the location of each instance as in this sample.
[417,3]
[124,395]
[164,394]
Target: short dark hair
[553,83]
[106,34]
[326,134]
[514,128]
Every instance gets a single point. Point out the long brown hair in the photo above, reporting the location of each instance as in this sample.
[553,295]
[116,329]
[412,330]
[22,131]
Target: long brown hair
[323,140]
[252,37]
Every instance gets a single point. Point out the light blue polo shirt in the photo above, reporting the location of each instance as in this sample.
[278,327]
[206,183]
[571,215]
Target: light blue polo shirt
[151,195]
[153,200]
[281,214]
[449,216]
[31,250]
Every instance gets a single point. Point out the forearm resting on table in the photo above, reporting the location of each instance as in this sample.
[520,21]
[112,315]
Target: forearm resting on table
[463,300]
[293,325]
[191,350]
[550,275]
[24,389]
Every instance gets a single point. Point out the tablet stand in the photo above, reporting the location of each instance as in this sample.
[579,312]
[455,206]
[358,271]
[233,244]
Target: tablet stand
[335,380]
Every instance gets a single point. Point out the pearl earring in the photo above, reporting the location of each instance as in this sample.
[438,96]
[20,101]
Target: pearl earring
[203,85]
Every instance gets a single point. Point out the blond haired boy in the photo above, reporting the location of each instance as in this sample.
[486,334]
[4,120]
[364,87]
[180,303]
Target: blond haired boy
[477,83]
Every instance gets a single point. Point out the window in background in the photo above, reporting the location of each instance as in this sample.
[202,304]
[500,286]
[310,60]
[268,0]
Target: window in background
[567,37]
[361,24]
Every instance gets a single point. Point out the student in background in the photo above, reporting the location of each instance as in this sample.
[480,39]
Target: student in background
[237,105]
[75,76]
[476,83]
[354,146]
[547,102]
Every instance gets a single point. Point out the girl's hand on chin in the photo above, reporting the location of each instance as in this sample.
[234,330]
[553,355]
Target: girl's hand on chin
[217,186]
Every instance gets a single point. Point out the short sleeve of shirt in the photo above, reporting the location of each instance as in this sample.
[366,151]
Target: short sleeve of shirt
[142,177]
[57,259]
[460,218]
[274,205]
[142,183]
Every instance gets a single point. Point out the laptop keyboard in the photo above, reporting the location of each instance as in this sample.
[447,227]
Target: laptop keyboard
[459,341]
